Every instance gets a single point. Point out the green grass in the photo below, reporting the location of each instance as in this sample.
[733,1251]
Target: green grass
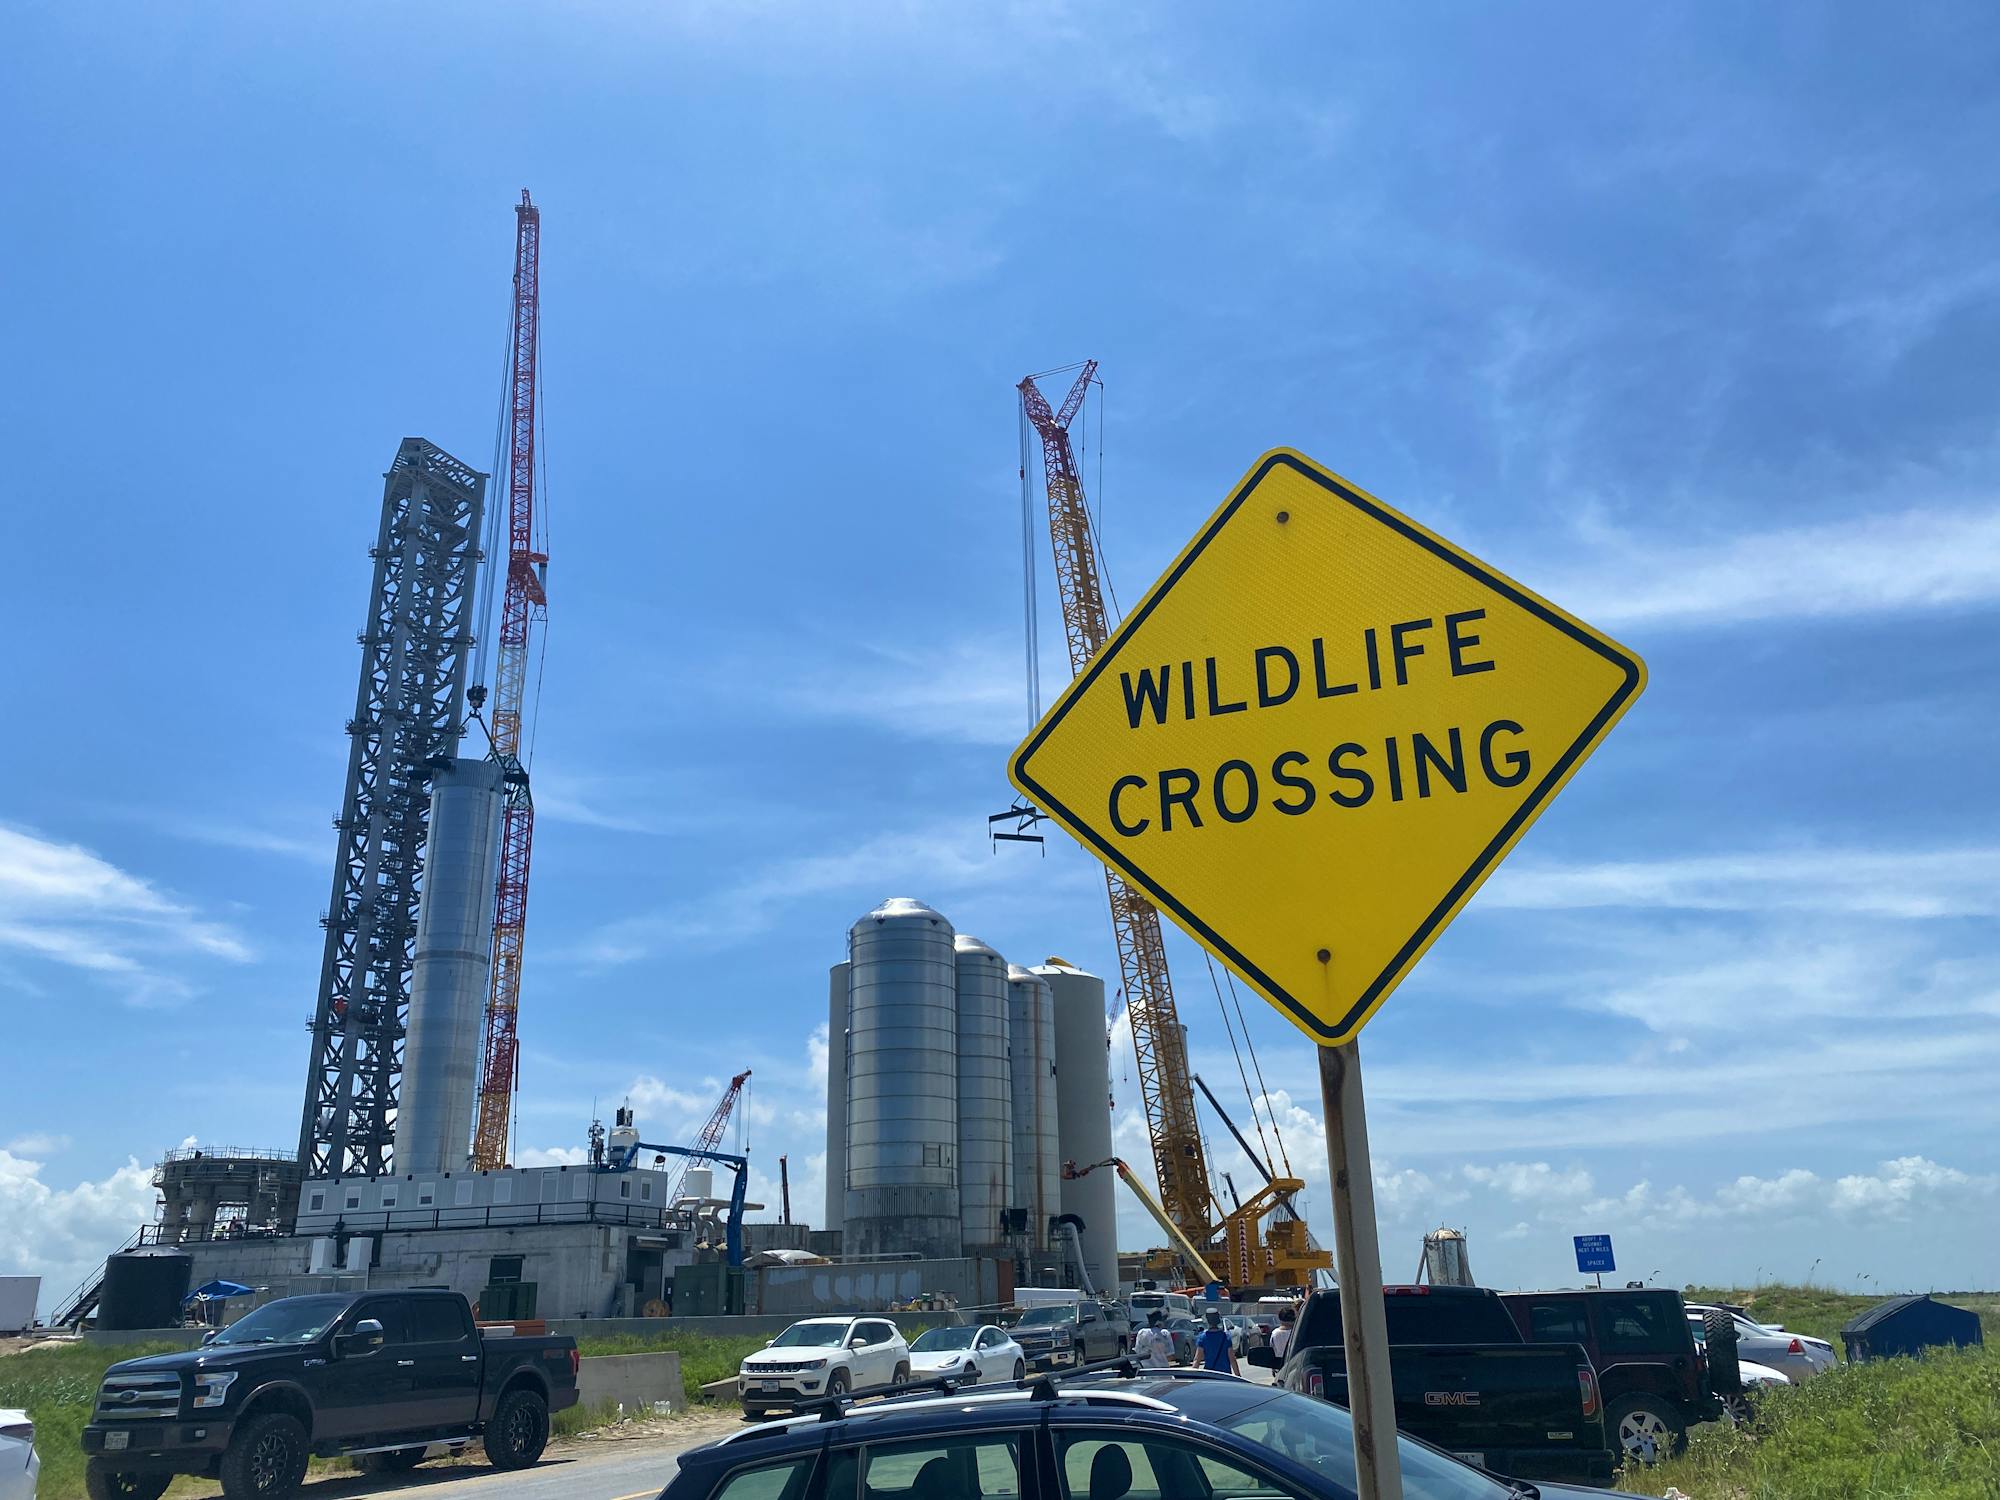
[56,1387]
[1912,1429]
[704,1356]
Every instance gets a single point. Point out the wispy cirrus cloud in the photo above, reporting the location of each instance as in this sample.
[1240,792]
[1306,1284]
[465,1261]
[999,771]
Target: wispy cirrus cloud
[1914,559]
[65,905]
[1915,883]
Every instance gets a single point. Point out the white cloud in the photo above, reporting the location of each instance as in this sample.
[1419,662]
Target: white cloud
[63,1234]
[1532,1180]
[1912,559]
[38,1144]
[64,904]
[1907,1183]
[1863,882]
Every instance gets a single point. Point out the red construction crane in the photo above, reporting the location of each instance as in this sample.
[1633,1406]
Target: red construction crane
[711,1133]
[524,605]
[1178,1159]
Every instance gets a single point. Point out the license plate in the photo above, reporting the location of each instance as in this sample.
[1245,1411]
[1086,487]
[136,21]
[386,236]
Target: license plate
[116,1440]
[1472,1458]
[767,1385]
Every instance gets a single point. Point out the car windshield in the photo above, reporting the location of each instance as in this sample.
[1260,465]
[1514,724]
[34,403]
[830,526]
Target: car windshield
[1319,1436]
[293,1320]
[944,1338]
[1043,1317]
[811,1336]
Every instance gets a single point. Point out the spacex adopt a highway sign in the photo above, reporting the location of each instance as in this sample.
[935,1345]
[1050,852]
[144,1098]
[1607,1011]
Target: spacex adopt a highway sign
[1318,734]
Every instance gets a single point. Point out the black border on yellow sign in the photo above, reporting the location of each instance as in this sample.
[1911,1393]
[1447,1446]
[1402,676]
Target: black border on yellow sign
[1634,677]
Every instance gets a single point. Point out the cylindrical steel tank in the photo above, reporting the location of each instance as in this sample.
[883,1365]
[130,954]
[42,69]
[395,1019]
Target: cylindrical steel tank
[836,1097]
[985,1094]
[452,976]
[902,1084]
[1083,1112]
[143,1288]
[1031,1048]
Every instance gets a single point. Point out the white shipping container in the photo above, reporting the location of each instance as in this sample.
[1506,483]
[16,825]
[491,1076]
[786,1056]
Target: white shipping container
[18,1295]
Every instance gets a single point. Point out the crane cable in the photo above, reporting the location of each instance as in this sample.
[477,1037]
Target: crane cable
[1255,1118]
[1283,1155]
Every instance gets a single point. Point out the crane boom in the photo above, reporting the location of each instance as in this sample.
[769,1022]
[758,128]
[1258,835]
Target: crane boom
[524,604]
[711,1133]
[1157,1043]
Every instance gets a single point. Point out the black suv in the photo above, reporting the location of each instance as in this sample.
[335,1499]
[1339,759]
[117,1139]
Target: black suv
[1093,1436]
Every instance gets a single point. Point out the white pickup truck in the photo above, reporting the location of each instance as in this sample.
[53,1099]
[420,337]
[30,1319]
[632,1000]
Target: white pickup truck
[819,1358]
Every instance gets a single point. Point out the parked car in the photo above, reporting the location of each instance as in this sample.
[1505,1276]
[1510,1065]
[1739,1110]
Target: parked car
[1174,1434]
[1466,1380]
[821,1357]
[1753,1380]
[1185,1331]
[1172,1304]
[971,1353]
[19,1463]
[1656,1384]
[1244,1333]
[1072,1333]
[1799,1358]
[385,1374]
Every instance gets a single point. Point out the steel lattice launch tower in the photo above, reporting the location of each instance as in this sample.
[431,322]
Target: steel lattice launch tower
[409,713]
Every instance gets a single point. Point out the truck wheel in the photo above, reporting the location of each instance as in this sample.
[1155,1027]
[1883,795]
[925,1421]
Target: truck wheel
[102,1482]
[266,1458]
[396,1461]
[519,1430]
[1645,1428]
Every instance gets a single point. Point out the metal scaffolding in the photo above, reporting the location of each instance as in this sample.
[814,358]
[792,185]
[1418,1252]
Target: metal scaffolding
[409,713]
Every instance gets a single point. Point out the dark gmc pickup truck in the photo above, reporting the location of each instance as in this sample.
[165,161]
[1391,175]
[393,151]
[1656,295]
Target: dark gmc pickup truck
[1466,1381]
[379,1373]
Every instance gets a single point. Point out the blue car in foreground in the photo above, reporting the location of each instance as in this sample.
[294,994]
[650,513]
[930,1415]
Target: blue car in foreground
[1155,1435]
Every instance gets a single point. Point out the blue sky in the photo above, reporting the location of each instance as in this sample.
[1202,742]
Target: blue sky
[1685,318]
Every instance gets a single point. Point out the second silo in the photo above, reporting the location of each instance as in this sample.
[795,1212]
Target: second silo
[1031,1044]
[902,1084]
[985,1094]
[452,974]
[836,1096]
[1083,1111]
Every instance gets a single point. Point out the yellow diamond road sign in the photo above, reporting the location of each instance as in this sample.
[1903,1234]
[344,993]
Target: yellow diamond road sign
[1318,734]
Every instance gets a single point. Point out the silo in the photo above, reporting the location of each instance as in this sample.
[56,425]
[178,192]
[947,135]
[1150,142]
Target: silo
[1083,1112]
[1031,1046]
[453,971]
[902,1084]
[985,1094]
[836,1097]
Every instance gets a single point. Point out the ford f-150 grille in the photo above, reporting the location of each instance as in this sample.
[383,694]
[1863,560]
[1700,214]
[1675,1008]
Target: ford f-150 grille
[127,1397]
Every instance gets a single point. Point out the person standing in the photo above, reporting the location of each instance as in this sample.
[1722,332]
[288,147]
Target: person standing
[1155,1346]
[1212,1343]
[1281,1336]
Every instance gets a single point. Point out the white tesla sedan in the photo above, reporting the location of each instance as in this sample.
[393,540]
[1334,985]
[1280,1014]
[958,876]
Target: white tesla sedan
[19,1463]
[971,1354]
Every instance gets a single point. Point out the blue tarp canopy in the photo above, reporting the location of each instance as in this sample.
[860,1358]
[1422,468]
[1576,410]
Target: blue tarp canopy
[213,1290]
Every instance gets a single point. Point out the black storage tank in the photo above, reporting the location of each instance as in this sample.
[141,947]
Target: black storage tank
[143,1288]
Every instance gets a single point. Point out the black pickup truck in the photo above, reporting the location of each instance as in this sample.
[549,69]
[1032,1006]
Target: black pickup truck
[382,1374]
[1466,1381]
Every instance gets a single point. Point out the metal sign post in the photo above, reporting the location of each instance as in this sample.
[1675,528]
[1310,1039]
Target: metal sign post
[1371,1392]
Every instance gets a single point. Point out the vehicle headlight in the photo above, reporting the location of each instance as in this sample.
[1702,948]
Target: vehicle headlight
[211,1387]
[815,1364]
[744,1368]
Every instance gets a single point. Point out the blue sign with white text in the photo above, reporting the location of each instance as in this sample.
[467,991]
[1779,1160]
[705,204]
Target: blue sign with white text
[1593,1254]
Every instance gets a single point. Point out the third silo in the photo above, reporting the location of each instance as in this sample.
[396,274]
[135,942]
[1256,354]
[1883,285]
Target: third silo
[1031,1041]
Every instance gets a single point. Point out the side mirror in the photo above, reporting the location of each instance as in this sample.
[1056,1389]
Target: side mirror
[363,1338]
[1263,1357]
[859,1341]
[209,1337]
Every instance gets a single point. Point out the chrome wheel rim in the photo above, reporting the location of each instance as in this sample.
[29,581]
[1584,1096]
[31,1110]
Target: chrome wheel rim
[1642,1435]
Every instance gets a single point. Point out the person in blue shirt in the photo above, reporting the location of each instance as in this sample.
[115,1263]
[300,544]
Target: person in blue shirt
[1213,1345]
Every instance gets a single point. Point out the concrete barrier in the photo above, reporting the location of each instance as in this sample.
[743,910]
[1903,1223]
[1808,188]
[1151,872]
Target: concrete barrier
[638,1382]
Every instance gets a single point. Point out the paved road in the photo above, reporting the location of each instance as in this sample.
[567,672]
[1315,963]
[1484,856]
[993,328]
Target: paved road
[597,1469]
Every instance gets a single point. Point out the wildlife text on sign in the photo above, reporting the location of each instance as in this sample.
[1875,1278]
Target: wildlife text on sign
[1318,733]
